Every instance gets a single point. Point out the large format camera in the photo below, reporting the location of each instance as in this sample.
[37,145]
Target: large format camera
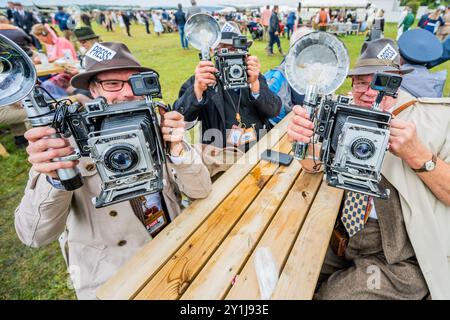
[124,140]
[231,64]
[355,139]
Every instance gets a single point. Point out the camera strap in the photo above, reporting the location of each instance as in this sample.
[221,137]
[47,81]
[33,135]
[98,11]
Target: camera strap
[403,107]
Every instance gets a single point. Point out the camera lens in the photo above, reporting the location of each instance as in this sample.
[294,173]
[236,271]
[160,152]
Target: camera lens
[120,158]
[236,72]
[363,149]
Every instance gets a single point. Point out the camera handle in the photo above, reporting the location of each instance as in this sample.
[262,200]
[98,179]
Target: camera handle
[40,115]
[380,96]
[300,149]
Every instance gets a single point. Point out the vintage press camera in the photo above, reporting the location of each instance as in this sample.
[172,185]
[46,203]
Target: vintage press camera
[124,140]
[231,64]
[355,139]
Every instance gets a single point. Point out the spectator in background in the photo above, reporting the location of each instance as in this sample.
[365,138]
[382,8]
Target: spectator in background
[17,35]
[158,27]
[86,19]
[378,26]
[109,21]
[57,47]
[165,15]
[86,37]
[61,18]
[10,10]
[433,21]
[126,22]
[407,22]
[444,30]
[180,21]
[193,9]
[322,19]
[265,21]
[290,22]
[274,32]
[401,18]
[146,18]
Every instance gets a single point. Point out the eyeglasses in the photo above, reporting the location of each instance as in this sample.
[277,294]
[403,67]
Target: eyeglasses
[361,87]
[111,85]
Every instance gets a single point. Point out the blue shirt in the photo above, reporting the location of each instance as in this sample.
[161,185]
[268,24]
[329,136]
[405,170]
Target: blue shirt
[62,17]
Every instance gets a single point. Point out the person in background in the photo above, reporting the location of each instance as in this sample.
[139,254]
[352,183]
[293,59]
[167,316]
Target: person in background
[87,38]
[265,21]
[86,19]
[407,22]
[62,18]
[180,21]
[126,22]
[290,23]
[146,18]
[444,30]
[378,26]
[56,47]
[17,35]
[109,22]
[400,21]
[322,19]
[10,10]
[417,48]
[158,27]
[274,32]
[433,21]
[445,54]
[193,9]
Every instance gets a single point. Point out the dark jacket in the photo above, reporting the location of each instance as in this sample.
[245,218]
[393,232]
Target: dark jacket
[24,22]
[19,37]
[180,18]
[274,24]
[211,110]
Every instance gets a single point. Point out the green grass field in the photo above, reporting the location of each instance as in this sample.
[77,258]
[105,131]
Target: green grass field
[40,273]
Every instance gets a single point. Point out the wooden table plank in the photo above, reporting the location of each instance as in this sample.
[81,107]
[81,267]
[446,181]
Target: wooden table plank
[131,278]
[301,272]
[280,235]
[176,275]
[214,281]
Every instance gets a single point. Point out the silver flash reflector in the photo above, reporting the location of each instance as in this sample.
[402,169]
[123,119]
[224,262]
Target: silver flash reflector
[317,59]
[202,31]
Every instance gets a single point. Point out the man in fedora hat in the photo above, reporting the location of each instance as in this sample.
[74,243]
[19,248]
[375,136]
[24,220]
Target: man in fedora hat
[396,248]
[227,114]
[86,37]
[417,48]
[97,242]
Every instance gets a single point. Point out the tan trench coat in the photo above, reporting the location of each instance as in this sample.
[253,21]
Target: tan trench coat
[426,218]
[97,242]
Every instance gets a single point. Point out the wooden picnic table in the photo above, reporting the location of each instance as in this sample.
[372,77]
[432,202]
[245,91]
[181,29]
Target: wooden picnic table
[208,251]
[51,68]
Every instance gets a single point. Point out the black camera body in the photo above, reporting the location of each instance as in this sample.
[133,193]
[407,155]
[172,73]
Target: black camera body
[124,140]
[232,64]
[355,139]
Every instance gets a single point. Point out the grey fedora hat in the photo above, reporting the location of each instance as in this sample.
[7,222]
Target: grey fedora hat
[380,55]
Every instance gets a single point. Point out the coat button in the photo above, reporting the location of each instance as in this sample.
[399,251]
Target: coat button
[113,213]
[122,243]
[90,167]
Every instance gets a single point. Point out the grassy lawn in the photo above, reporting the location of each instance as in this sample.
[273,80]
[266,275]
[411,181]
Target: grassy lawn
[40,274]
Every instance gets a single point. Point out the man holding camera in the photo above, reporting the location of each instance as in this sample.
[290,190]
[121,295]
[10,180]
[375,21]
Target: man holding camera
[96,242]
[227,115]
[400,249]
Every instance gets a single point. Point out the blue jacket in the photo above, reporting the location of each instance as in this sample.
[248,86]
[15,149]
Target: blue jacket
[422,83]
[291,19]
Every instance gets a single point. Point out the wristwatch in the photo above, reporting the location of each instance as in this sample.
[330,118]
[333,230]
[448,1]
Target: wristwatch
[428,166]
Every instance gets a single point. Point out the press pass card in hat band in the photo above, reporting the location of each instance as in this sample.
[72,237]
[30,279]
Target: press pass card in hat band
[100,53]
[387,53]
[234,136]
[155,221]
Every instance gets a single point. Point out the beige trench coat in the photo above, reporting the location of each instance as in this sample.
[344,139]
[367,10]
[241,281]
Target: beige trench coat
[426,218]
[97,242]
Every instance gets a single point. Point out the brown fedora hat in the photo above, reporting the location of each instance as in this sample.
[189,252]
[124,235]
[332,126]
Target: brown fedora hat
[106,56]
[379,55]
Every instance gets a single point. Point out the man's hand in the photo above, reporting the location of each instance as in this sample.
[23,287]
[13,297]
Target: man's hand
[172,128]
[301,128]
[204,77]
[404,143]
[253,71]
[41,150]
[71,70]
